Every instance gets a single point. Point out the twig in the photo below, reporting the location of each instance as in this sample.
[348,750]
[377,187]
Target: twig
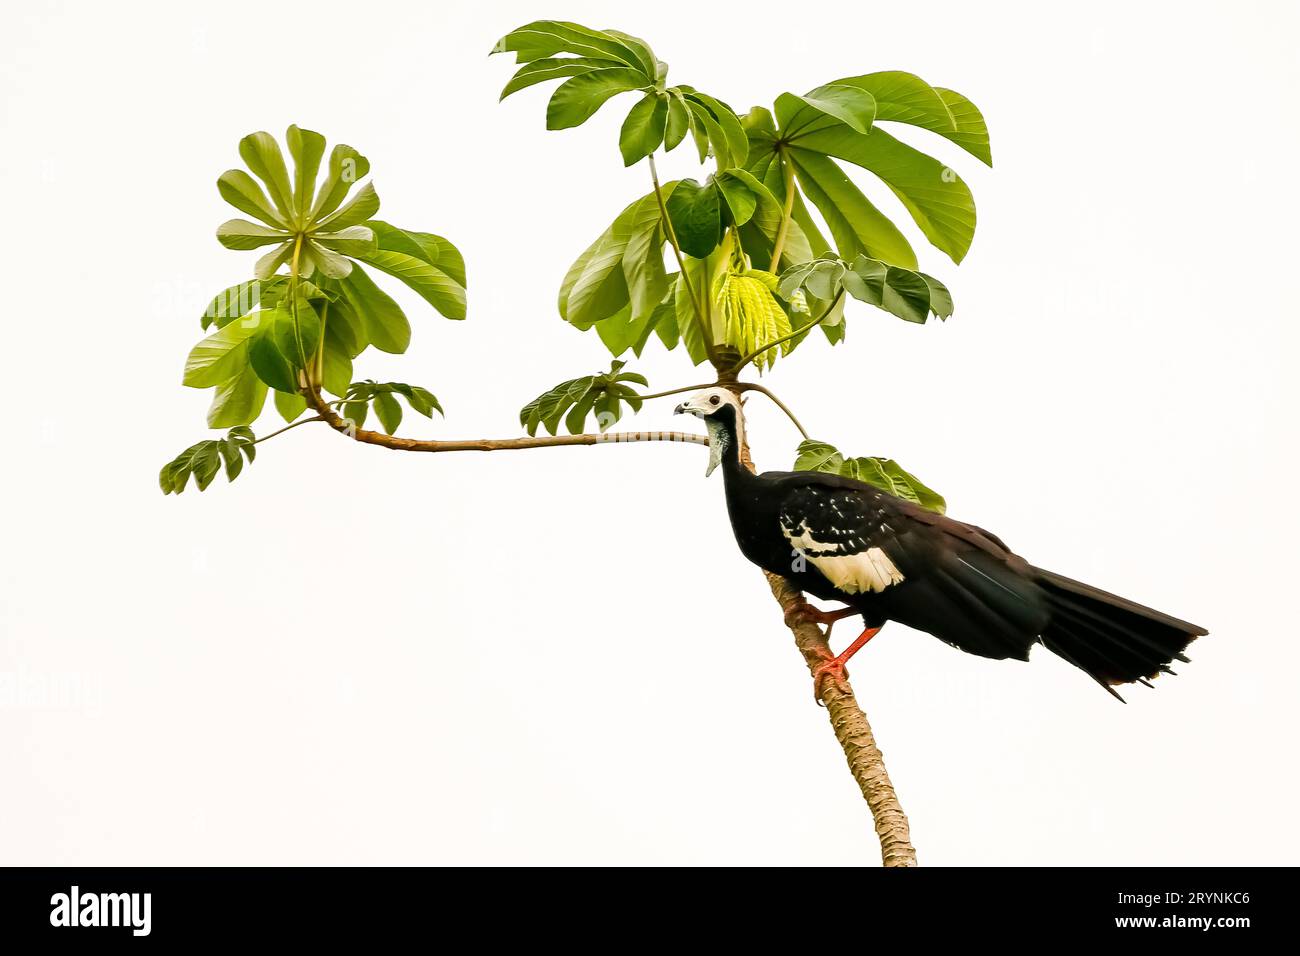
[340,424]
[755,387]
[305,421]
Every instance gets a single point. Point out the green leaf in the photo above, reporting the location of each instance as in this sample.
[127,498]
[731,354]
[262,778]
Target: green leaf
[578,98]
[696,216]
[279,347]
[238,400]
[824,107]
[233,459]
[269,263]
[940,299]
[336,371]
[355,412]
[595,286]
[306,147]
[939,202]
[855,223]
[643,257]
[740,197]
[290,406]
[232,303]
[899,291]
[261,154]
[358,209]
[883,473]
[643,130]
[389,412]
[571,401]
[434,286]
[242,234]
[553,68]
[242,191]
[202,460]
[384,322]
[621,332]
[352,241]
[220,356]
[347,167]
[545,38]
[688,325]
[678,122]
[818,456]
[906,98]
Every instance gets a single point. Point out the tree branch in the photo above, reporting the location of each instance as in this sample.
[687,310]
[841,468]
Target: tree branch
[853,731]
[342,425]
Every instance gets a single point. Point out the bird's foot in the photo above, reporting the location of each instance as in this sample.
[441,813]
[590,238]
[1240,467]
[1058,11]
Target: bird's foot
[804,613]
[828,670]
[832,669]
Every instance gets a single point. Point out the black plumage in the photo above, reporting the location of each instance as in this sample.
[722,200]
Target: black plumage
[891,560]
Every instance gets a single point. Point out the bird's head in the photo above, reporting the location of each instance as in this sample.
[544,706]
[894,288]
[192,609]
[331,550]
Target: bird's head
[720,410]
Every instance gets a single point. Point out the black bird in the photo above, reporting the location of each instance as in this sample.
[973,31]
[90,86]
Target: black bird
[890,560]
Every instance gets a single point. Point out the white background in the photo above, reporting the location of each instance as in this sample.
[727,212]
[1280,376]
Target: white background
[354,656]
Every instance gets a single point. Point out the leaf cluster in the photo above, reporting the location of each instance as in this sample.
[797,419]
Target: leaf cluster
[883,473]
[204,459]
[603,394]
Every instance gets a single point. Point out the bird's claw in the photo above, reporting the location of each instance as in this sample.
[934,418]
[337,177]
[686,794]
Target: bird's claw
[805,613]
[828,670]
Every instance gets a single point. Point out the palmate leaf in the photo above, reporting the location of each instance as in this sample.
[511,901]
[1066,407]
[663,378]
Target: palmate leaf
[910,295]
[360,396]
[317,231]
[597,65]
[421,264]
[604,394]
[883,473]
[204,459]
[837,123]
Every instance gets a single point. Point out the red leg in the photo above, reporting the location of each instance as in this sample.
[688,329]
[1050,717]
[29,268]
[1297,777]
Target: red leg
[805,613]
[834,668]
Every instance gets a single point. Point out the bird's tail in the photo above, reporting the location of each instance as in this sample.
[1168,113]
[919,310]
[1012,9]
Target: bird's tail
[1114,640]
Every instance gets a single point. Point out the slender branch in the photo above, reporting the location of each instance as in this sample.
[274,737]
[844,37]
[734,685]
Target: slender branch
[485,444]
[755,387]
[850,724]
[303,421]
[678,391]
[787,211]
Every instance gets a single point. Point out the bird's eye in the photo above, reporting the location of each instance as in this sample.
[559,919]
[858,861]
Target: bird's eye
[713,399]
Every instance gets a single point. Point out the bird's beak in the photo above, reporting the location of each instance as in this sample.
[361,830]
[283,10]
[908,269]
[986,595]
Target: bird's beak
[680,409]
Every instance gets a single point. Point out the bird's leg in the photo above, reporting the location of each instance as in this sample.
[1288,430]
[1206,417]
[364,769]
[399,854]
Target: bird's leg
[834,668]
[805,613]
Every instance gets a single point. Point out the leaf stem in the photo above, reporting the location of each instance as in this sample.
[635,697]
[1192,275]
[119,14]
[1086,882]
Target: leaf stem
[678,391]
[303,421]
[755,387]
[696,303]
[778,245]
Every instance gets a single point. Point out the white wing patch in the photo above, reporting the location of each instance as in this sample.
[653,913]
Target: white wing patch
[869,570]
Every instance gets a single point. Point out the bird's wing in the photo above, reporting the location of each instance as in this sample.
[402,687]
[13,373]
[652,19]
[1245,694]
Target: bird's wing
[845,533]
